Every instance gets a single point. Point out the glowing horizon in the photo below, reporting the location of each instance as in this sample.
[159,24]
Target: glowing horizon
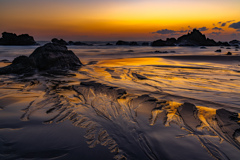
[114,20]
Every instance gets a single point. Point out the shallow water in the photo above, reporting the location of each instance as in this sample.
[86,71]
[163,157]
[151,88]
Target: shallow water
[124,103]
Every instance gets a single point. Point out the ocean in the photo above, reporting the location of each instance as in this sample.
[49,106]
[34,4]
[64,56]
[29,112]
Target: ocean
[125,102]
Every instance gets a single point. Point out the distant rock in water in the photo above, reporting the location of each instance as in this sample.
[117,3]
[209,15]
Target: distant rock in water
[195,38]
[120,42]
[229,53]
[13,39]
[61,41]
[51,56]
[234,42]
[78,43]
[168,42]
[218,50]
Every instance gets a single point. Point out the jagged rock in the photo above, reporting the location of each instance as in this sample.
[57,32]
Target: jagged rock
[13,39]
[218,50]
[223,44]
[120,42]
[51,56]
[61,41]
[229,53]
[195,38]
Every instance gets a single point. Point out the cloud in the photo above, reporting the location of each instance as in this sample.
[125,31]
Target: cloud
[203,29]
[235,26]
[219,22]
[216,33]
[225,23]
[217,28]
[167,31]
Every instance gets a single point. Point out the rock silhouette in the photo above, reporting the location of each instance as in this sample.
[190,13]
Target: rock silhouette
[195,38]
[51,56]
[13,39]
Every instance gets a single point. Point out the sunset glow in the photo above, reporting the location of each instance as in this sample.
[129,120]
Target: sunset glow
[113,20]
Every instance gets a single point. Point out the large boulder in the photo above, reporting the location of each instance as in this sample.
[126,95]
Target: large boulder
[54,56]
[50,57]
[120,42]
[13,39]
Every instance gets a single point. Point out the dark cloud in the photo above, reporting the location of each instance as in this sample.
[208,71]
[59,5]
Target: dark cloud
[223,24]
[167,31]
[235,26]
[217,28]
[203,29]
[219,22]
[216,33]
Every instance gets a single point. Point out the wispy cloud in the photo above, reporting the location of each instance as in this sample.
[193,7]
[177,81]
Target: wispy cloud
[203,29]
[167,31]
[225,23]
[217,28]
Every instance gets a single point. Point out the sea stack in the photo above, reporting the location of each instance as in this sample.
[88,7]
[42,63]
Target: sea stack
[13,39]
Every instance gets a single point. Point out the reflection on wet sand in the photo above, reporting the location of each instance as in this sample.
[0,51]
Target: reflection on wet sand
[142,111]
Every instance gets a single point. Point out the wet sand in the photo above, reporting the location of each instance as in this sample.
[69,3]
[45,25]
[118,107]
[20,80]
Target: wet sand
[158,107]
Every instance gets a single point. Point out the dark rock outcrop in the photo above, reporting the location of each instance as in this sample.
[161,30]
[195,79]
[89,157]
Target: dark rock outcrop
[195,38]
[120,42]
[50,57]
[229,53]
[78,43]
[218,50]
[60,42]
[145,44]
[234,42]
[13,39]
[168,42]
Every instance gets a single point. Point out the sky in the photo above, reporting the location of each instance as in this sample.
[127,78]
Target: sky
[111,20]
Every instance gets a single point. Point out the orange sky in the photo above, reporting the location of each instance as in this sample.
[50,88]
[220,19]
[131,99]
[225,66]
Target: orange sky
[114,19]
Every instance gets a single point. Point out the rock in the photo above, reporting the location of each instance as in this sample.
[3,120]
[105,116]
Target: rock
[120,42]
[203,47]
[228,48]
[159,42]
[109,44]
[195,38]
[54,56]
[234,42]
[229,53]
[20,65]
[78,43]
[60,42]
[133,43]
[130,51]
[50,57]
[5,61]
[145,44]
[218,50]
[223,44]
[13,39]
